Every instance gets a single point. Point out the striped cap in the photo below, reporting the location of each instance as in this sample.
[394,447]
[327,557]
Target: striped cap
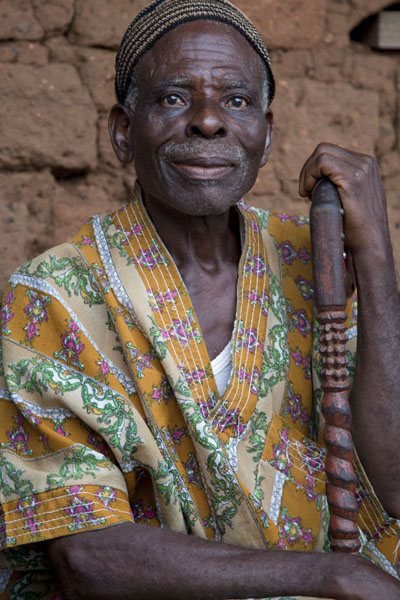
[159,17]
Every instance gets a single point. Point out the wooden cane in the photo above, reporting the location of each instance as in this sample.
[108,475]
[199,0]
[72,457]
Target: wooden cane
[326,219]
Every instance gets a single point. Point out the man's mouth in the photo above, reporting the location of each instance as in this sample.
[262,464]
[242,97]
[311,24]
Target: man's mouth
[204,168]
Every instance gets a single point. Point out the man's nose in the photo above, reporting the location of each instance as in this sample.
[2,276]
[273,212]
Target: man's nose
[206,120]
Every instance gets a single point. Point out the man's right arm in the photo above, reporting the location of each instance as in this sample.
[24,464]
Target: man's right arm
[137,561]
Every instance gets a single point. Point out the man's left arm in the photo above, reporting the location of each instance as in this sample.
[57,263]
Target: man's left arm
[376,391]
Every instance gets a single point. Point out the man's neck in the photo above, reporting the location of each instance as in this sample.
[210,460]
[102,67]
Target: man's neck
[203,241]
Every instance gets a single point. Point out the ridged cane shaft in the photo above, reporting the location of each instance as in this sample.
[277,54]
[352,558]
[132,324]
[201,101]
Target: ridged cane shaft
[330,300]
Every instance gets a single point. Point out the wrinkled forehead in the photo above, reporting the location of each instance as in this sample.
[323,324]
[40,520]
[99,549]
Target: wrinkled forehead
[203,47]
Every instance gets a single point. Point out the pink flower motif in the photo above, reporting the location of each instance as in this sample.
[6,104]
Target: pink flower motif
[32,330]
[142,513]
[171,295]
[283,217]
[58,429]
[31,525]
[87,241]
[304,256]
[288,252]
[104,367]
[156,395]
[255,226]
[10,297]
[72,346]
[137,229]
[253,297]
[177,435]
[242,374]
[74,327]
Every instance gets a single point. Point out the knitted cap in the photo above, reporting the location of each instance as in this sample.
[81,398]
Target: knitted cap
[159,17]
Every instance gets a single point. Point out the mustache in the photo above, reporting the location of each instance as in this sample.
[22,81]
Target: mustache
[190,150]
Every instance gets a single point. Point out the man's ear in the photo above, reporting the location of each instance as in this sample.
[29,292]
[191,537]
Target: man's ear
[119,125]
[269,117]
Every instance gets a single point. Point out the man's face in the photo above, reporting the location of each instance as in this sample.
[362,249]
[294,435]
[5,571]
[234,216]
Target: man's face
[199,132]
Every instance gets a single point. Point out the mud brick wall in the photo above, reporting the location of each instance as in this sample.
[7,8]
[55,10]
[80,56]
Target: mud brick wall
[56,86]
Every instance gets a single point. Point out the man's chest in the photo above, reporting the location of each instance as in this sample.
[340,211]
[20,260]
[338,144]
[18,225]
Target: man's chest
[214,298]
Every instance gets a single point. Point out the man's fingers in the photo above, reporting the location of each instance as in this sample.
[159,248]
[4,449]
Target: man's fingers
[322,165]
[329,161]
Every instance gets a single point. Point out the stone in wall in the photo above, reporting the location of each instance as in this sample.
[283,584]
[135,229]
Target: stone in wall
[289,24]
[47,119]
[24,53]
[54,15]
[101,22]
[76,201]
[97,70]
[18,22]
[61,50]
[25,217]
[371,70]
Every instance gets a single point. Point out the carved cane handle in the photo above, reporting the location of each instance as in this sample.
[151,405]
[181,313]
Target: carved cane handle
[330,299]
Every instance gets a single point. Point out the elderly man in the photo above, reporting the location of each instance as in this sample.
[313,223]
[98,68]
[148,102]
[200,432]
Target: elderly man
[158,433]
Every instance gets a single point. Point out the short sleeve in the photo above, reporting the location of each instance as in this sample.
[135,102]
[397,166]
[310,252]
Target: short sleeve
[67,423]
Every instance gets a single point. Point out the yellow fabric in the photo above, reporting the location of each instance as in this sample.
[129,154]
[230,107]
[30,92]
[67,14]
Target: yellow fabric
[110,412]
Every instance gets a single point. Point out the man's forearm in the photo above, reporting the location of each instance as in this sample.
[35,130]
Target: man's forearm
[134,561]
[376,392]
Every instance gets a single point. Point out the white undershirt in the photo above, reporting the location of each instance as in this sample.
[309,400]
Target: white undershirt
[222,368]
[222,364]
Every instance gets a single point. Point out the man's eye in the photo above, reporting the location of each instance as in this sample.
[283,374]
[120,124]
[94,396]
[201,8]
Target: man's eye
[172,100]
[238,103]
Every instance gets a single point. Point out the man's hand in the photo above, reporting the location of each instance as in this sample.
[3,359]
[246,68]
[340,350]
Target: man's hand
[361,192]
[376,390]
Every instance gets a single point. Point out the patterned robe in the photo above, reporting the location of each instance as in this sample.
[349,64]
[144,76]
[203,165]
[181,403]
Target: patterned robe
[110,411]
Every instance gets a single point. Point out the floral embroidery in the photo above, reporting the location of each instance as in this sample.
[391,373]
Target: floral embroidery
[106,496]
[295,408]
[248,339]
[255,263]
[182,330]
[160,393]
[150,259]
[159,300]
[298,320]
[305,287]
[18,438]
[81,510]
[303,361]
[142,513]
[252,377]
[104,370]
[296,219]
[102,277]
[192,471]
[290,253]
[6,313]
[206,407]
[291,531]
[263,299]
[27,507]
[36,313]
[71,346]
[196,375]
[282,460]
[140,361]
[228,419]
